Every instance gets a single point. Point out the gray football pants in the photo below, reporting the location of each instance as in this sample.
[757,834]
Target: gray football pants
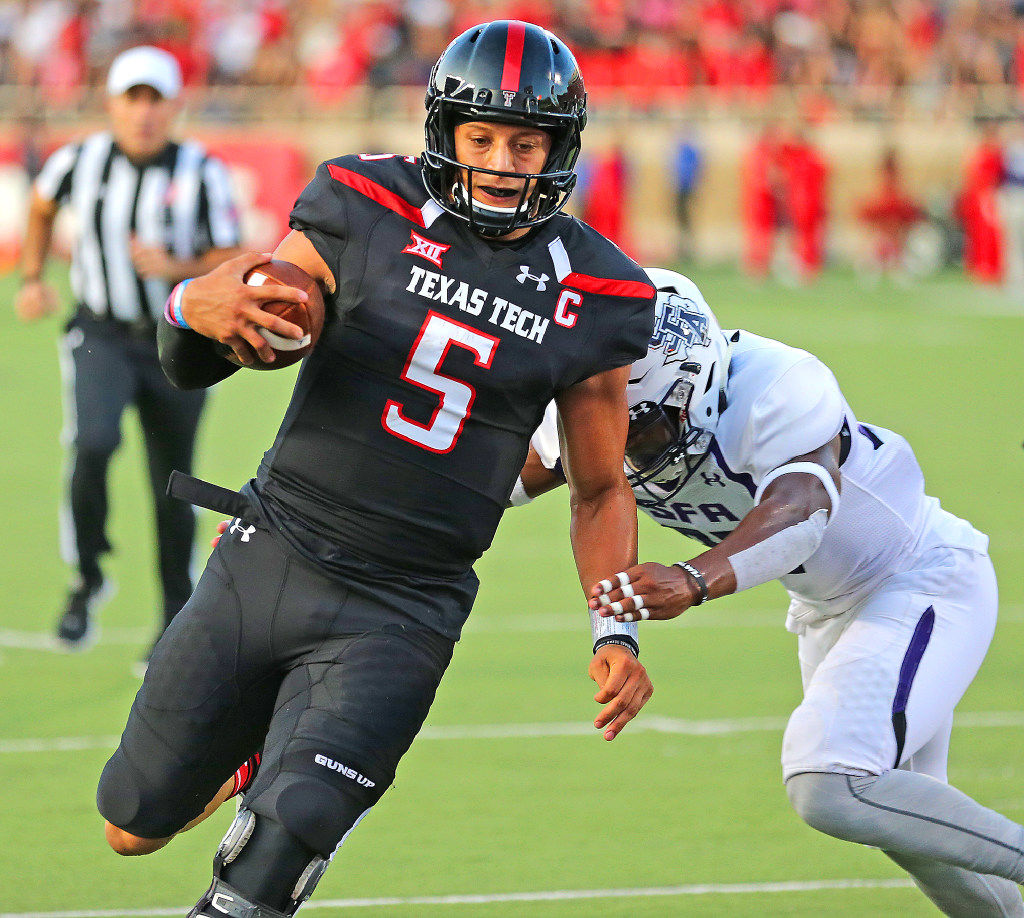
[964,857]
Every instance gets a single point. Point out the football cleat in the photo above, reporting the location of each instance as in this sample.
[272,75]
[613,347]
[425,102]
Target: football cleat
[77,628]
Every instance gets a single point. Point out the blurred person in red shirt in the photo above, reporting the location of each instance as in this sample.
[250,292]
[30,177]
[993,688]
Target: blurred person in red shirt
[763,199]
[784,188]
[657,70]
[362,37]
[605,193]
[889,213]
[978,209]
[754,64]
[806,193]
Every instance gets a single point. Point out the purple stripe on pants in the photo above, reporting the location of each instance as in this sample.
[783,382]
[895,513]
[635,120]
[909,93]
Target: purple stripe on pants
[911,660]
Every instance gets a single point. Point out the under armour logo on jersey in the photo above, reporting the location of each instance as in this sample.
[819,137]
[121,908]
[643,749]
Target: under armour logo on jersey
[524,275]
[246,531]
[712,479]
[510,97]
[680,325]
[431,251]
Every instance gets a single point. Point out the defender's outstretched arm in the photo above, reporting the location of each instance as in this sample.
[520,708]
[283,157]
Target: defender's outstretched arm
[783,530]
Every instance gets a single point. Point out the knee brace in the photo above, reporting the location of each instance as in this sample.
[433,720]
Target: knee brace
[316,813]
[260,870]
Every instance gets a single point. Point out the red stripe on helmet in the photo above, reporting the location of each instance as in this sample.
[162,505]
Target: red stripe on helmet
[376,192]
[513,56]
[607,286]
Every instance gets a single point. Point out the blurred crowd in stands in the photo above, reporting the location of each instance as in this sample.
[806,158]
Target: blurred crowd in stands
[870,55]
[864,57]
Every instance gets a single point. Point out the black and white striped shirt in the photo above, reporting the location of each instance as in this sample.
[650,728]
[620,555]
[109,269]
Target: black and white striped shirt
[181,201]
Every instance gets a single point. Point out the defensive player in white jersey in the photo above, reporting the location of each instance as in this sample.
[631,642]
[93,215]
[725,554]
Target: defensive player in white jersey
[748,446]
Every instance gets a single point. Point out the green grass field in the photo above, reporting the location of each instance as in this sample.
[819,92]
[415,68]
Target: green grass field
[510,803]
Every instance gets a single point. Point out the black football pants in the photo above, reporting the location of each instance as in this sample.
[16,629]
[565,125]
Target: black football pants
[108,366]
[331,678]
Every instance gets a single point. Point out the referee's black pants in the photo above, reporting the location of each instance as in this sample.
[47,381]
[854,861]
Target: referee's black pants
[107,366]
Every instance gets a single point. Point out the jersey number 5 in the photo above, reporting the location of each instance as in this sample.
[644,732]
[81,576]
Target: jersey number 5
[441,432]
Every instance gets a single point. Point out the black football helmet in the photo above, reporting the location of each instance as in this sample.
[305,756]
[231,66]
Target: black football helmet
[512,72]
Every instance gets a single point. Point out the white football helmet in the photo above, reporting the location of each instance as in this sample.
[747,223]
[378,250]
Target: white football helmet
[676,392]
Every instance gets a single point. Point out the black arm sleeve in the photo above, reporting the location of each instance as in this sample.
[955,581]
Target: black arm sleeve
[189,360]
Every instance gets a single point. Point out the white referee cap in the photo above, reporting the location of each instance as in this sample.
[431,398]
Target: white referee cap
[145,66]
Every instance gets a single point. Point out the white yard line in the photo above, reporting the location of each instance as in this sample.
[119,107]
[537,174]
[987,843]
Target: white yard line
[667,725]
[648,724]
[59,744]
[42,640]
[555,895]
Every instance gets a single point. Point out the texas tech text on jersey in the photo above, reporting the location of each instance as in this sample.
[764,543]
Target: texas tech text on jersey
[411,419]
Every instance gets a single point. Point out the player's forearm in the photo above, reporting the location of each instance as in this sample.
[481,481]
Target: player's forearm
[603,533]
[772,540]
[189,360]
[779,534]
[38,237]
[604,540]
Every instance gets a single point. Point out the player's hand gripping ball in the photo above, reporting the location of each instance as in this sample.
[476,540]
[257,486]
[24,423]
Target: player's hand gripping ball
[309,316]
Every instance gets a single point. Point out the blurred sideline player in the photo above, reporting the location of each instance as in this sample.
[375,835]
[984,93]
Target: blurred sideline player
[148,212]
[746,445]
[460,302]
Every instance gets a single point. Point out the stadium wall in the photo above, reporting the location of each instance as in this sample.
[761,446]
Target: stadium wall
[270,166]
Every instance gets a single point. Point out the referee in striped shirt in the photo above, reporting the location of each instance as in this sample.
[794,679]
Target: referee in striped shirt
[148,212]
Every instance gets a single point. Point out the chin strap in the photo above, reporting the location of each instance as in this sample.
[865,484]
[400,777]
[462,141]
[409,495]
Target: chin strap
[478,212]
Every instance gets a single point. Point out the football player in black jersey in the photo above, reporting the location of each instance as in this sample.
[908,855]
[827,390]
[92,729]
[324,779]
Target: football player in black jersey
[460,301]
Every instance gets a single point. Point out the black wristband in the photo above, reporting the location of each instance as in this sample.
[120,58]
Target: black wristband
[698,577]
[623,639]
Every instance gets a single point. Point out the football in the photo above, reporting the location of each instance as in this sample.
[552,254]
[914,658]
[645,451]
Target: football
[309,316]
